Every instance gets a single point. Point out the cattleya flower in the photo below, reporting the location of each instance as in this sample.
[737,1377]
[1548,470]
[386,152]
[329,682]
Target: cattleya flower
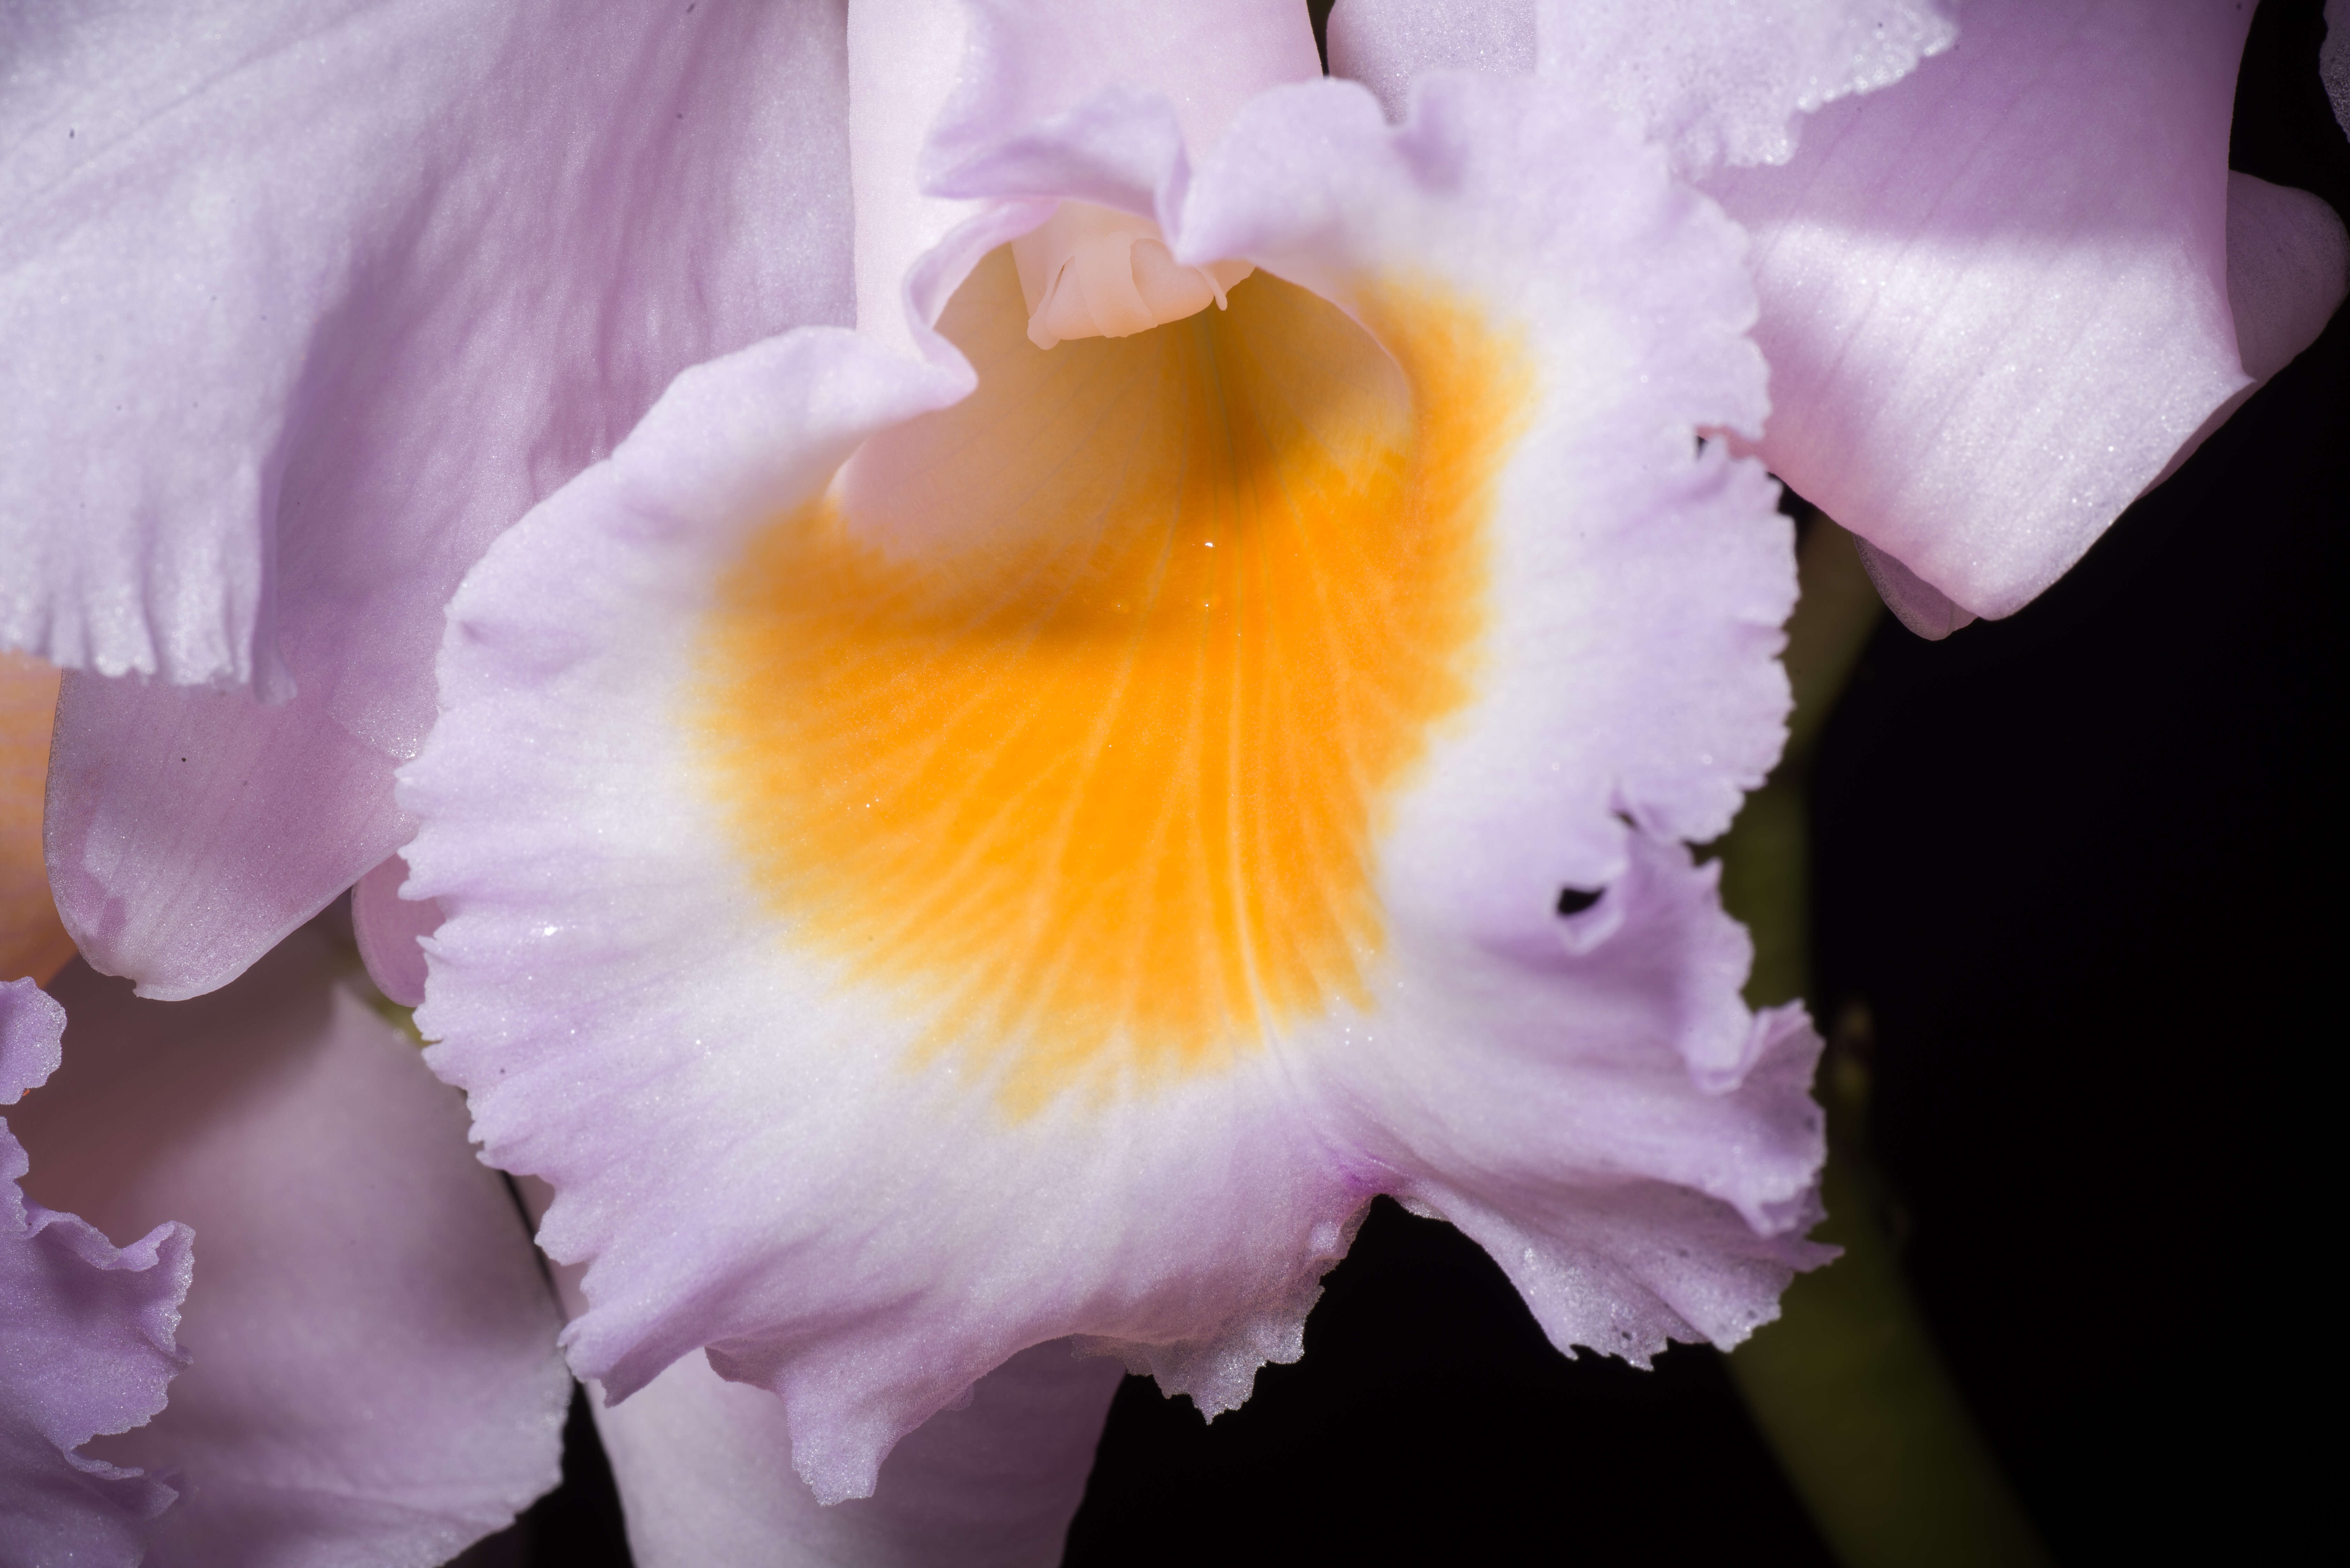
[1149,677]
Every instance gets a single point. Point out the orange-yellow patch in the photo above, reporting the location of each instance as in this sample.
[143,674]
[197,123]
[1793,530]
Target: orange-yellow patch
[1072,722]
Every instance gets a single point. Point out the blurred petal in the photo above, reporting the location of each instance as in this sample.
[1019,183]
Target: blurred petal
[301,304]
[2333,61]
[375,1379]
[1994,298]
[2288,269]
[904,931]
[85,1343]
[32,939]
[1712,83]
[1915,602]
[704,1468]
[387,928]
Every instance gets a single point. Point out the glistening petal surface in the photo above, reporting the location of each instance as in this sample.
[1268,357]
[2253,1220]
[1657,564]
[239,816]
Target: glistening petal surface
[301,304]
[1713,83]
[1995,298]
[797,807]
[374,1378]
[86,1342]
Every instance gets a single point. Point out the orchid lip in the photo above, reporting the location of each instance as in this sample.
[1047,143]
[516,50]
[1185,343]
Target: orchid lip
[1037,922]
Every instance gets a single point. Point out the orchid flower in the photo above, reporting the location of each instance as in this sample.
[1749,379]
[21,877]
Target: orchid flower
[907,939]
[949,844]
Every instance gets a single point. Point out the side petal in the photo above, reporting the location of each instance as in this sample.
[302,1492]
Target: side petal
[704,1468]
[2288,270]
[1915,602]
[86,1342]
[1722,84]
[302,305]
[375,1377]
[1712,83]
[904,857]
[1994,298]
[33,942]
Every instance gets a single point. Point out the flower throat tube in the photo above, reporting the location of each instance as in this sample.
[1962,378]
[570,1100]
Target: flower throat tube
[1093,783]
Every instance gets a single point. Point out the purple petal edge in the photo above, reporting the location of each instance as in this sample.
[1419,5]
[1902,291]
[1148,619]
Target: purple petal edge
[88,1342]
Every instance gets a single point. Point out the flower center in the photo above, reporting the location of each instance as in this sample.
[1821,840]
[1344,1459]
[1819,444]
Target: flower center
[1069,723]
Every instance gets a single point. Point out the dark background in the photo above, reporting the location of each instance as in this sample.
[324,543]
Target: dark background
[2082,864]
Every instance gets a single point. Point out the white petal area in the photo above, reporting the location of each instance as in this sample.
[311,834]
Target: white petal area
[1386,44]
[374,1378]
[1715,81]
[1721,84]
[1994,298]
[201,204]
[905,58]
[2288,271]
[758,1147]
[704,1468]
[302,304]
[941,90]
[1030,62]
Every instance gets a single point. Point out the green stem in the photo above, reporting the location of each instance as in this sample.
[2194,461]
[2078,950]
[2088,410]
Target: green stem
[1847,1385]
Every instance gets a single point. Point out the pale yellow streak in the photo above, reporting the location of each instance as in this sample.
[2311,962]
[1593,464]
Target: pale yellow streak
[32,941]
[1072,728]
